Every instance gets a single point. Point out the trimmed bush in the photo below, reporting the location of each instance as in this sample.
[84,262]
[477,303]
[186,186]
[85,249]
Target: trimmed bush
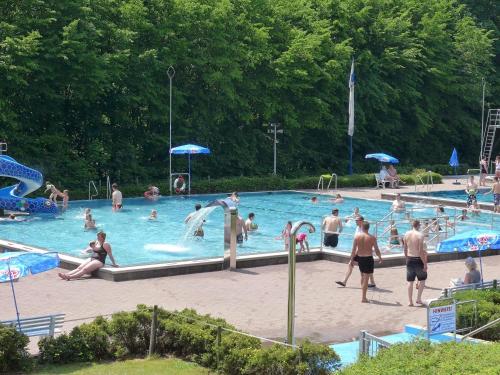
[13,353]
[186,335]
[266,183]
[422,358]
[488,309]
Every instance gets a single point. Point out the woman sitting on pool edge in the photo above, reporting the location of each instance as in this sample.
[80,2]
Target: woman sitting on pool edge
[100,251]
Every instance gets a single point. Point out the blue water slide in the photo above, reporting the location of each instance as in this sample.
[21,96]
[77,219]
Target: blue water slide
[12,197]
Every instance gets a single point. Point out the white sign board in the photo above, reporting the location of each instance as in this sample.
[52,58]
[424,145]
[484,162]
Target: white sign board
[442,319]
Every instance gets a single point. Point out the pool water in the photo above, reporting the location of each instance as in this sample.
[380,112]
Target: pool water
[459,195]
[136,240]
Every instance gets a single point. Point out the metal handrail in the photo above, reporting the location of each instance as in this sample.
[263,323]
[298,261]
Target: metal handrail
[91,196]
[108,188]
[365,339]
[321,181]
[481,329]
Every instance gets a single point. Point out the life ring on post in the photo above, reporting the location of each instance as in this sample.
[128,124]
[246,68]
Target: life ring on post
[179,185]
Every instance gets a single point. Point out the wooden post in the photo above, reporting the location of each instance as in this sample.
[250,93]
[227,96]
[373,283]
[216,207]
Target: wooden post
[219,342]
[152,337]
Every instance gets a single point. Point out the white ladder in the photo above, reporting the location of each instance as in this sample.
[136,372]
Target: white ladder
[330,177]
[492,124]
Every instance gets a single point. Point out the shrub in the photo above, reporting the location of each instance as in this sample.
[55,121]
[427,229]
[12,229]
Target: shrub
[488,309]
[422,358]
[13,353]
[265,183]
[185,334]
[130,332]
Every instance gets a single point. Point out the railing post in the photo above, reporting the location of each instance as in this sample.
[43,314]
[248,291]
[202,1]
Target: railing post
[494,283]
[219,342]
[362,342]
[152,336]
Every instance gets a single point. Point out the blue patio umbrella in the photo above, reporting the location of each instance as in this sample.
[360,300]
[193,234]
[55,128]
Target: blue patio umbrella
[454,163]
[471,240]
[189,149]
[17,264]
[383,158]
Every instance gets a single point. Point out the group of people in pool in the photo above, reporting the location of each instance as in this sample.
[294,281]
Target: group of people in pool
[472,190]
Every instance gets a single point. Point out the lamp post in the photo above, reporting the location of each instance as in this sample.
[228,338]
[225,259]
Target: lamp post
[290,332]
[274,129]
[170,73]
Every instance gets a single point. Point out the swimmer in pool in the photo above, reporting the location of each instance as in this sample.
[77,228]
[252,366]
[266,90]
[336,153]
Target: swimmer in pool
[153,215]
[89,223]
[249,224]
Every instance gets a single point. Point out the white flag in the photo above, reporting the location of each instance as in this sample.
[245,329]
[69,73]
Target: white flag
[352,81]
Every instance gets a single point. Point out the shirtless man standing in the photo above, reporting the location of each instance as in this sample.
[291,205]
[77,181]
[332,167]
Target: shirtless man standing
[116,198]
[351,265]
[495,189]
[416,261]
[362,252]
[332,226]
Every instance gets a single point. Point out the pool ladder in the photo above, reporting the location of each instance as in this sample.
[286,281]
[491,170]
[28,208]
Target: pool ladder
[428,184]
[92,186]
[330,177]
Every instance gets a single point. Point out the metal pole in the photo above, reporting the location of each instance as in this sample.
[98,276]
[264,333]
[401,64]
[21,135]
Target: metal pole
[274,170]
[291,279]
[482,122]
[350,154]
[14,295]
[170,73]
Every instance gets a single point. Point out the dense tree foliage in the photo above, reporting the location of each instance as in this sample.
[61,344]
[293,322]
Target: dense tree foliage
[84,89]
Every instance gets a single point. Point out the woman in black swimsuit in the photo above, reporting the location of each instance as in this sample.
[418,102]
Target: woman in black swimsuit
[100,251]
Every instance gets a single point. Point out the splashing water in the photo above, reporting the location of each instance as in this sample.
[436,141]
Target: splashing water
[196,222]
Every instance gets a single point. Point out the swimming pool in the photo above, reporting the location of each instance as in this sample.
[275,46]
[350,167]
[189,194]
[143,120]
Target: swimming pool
[459,195]
[136,240]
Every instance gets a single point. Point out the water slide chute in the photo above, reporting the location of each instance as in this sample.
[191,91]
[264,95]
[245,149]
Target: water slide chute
[12,197]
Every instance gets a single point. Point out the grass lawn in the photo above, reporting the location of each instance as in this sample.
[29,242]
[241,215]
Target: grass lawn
[131,367]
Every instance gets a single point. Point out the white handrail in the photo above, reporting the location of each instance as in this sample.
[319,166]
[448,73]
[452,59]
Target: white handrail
[108,188]
[481,329]
[91,196]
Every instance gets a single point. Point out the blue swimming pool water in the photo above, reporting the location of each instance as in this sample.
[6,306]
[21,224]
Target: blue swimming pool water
[458,195]
[137,240]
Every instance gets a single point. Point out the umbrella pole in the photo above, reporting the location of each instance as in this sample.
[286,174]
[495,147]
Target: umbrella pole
[14,295]
[189,169]
[481,266]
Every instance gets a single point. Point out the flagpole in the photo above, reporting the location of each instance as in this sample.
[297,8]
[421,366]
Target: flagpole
[350,154]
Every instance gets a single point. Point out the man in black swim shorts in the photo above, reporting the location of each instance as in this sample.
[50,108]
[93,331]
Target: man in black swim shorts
[416,261]
[362,249]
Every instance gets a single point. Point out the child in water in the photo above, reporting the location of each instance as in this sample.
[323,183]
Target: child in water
[153,215]
[285,235]
[301,239]
[89,222]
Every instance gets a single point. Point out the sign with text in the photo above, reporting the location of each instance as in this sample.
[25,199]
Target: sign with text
[441,319]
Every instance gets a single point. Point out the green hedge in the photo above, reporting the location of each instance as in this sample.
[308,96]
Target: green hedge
[488,309]
[269,183]
[423,358]
[126,334]
[13,353]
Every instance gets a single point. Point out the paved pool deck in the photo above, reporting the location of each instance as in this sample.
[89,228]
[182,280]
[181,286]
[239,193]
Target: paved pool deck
[253,299]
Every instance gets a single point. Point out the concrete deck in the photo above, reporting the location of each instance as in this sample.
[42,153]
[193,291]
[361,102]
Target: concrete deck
[254,300]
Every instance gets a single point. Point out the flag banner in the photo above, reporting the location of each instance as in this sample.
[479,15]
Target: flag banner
[352,81]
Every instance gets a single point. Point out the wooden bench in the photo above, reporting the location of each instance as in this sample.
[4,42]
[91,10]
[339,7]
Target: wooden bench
[39,325]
